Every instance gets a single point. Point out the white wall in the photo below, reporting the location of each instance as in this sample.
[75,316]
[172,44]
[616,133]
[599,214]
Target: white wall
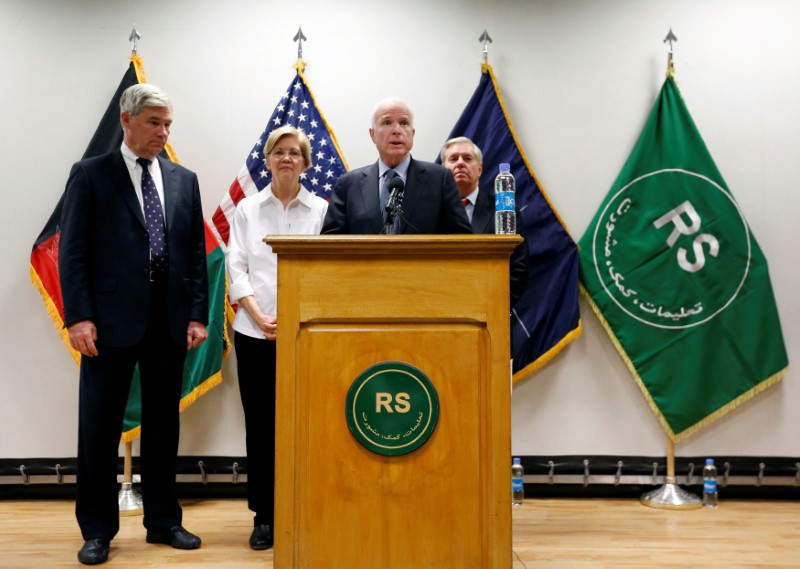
[578,78]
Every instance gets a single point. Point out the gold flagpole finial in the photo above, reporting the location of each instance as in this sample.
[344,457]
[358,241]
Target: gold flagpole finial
[299,37]
[669,40]
[134,37]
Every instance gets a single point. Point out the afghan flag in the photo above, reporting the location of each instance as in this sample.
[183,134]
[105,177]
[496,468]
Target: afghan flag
[546,317]
[675,275]
[203,368]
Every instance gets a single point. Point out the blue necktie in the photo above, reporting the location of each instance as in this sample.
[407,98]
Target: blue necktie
[153,219]
[384,195]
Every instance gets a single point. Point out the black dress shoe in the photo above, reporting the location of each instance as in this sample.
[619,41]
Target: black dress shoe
[94,551]
[176,536]
[261,538]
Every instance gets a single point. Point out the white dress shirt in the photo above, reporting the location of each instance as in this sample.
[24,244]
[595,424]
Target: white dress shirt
[251,264]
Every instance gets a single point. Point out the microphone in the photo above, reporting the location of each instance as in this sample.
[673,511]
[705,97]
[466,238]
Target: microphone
[394,205]
[395,188]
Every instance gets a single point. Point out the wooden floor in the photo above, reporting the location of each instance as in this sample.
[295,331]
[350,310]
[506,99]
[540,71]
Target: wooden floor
[557,533]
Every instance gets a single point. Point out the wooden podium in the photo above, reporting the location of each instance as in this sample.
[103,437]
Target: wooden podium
[439,303]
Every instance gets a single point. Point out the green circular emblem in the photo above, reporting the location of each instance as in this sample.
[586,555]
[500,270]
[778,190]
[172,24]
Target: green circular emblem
[672,249]
[392,408]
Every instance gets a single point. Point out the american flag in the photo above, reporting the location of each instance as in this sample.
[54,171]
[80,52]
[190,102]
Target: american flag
[299,109]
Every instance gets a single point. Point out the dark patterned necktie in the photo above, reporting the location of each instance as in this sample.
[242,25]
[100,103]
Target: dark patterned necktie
[153,219]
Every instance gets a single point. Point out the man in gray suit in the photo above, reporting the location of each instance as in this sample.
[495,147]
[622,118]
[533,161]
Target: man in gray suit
[134,281]
[430,201]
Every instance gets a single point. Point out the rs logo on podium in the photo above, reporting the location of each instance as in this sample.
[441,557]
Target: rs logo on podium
[392,408]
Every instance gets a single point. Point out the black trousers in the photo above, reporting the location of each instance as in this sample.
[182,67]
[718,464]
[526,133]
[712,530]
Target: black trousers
[105,382]
[256,368]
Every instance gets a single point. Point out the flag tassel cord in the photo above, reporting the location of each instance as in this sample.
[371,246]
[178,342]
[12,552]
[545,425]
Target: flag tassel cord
[708,419]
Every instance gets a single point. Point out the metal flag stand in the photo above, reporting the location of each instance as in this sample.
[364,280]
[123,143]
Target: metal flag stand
[129,500]
[671,496]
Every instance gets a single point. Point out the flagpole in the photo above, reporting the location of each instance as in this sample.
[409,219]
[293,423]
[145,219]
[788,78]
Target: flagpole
[129,500]
[670,495]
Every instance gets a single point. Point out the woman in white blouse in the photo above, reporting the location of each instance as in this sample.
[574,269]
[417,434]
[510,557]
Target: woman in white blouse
[283,207]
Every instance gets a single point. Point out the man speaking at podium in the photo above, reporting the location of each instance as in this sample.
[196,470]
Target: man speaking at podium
[428,194]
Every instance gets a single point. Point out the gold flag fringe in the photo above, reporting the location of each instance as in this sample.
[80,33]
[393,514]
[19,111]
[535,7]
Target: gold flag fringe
[52,311]
[708,419]
[545,358]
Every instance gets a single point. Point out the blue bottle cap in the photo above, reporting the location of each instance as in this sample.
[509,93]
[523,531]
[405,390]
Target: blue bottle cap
[505,167]
[516,460]
[710,461]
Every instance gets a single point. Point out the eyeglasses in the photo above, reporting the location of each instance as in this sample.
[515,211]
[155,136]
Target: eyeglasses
[281,154]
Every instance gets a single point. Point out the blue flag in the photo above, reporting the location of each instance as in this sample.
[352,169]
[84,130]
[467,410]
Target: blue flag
[546,318]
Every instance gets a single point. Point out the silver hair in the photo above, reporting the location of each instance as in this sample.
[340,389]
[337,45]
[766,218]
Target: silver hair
[389,101]
[136,97]
[459,140]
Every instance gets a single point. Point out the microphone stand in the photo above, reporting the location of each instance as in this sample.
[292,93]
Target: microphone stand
[394,209]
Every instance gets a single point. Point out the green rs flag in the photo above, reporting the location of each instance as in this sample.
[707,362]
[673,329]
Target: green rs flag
[674,274]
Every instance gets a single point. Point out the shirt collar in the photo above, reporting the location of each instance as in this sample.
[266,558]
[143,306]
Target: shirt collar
[130,159]
[303,196]
[472,197]
[401,169]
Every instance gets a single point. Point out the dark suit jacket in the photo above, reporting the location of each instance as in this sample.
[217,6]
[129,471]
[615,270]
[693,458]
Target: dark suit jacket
[430,202]
[104,252]
[483,223]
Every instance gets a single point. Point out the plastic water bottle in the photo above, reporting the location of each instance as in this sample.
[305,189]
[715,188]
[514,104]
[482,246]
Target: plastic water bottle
[710,484]
[517,483]
[505,188]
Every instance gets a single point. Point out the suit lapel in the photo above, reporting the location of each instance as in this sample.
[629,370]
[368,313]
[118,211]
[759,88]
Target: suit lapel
[415,181]
[121,181]
[368,188]
[483,214]
[169,178]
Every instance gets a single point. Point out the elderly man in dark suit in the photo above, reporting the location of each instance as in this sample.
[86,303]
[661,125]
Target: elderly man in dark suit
[465,160]
[430,202]
[132,264]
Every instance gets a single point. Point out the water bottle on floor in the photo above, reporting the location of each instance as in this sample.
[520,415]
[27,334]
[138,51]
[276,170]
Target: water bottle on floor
[710,484]
[517,483]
